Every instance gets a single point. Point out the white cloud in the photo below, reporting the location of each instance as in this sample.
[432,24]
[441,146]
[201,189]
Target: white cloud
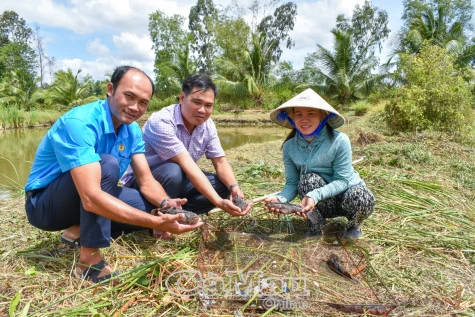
[125,22]
[95,47]
[83,17]
[133,46]
[100,67]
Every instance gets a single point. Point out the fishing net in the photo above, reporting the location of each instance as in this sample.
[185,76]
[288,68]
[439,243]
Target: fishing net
[260,263]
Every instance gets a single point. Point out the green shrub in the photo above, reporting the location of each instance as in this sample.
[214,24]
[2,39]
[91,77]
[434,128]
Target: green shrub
[226,102]
[42,116]
[433,98]
[271,99]
[360,108]
[380,95]
[157,104]
[274,97]
[264,170]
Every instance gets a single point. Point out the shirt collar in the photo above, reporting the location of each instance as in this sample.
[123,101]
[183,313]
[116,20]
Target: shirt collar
[177,115]
[316,140]
[109,124]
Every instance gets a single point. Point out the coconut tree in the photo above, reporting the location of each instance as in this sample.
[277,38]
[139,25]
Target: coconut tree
[346,75]
[432,27]
[68,90]
[248,76]
[181,67]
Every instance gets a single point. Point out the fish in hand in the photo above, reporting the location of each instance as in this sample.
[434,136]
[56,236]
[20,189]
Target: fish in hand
[287,209]
[238,201]
[190,217]
[284,208]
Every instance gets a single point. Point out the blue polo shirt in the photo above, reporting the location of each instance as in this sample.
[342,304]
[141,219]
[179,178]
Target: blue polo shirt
[77,138]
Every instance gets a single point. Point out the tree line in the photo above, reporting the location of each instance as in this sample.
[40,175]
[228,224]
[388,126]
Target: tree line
[244,58]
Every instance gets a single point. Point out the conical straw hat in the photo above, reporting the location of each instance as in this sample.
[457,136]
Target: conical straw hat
[310,99]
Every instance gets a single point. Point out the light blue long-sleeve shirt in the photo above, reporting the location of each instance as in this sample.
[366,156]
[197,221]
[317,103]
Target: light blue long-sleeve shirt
[329,158]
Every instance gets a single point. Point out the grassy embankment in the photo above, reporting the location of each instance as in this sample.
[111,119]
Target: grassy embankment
[13,118]
[419,245]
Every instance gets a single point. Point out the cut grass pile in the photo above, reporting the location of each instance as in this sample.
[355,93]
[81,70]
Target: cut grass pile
[420,242]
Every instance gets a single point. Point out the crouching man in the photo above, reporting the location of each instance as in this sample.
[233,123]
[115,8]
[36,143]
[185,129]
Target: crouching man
[73,187]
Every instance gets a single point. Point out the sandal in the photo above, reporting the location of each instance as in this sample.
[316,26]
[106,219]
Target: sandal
[93,271]
[69,241]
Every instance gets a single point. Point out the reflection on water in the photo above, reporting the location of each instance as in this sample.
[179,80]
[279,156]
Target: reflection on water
[18,148]
[237,136]
[17,151]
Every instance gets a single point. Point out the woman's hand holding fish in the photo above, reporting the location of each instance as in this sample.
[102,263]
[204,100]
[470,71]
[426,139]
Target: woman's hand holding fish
[308,204]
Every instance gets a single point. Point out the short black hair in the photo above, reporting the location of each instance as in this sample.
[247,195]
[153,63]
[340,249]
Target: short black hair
[201,81]
[120,71]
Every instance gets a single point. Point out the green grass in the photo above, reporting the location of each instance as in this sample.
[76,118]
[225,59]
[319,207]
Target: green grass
[360,108]
[14,118]
[12,184]
[419,245]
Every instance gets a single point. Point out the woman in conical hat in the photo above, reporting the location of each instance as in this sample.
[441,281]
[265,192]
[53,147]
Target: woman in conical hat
[317,160]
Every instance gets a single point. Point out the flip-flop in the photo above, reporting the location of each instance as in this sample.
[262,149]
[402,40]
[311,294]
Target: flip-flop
[93,271]
[69,241]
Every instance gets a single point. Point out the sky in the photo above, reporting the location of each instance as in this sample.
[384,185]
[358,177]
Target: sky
[98,35]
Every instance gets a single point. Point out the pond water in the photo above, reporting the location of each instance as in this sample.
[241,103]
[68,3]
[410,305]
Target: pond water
[18,148]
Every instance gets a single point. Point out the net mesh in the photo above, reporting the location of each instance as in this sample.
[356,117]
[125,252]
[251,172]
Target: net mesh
[264,263]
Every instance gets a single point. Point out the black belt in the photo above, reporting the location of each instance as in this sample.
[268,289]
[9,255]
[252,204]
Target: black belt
[31,193]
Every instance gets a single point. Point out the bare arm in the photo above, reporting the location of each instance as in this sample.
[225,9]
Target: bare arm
[202,184]
[226,176]
[87,179]
[149,186]
[197,177]
[224,170]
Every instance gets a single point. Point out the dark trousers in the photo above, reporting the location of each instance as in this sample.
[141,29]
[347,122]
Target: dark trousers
[355,203]
[59,207]
[178,185]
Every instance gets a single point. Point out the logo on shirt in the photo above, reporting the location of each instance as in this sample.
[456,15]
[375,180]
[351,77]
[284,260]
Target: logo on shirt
[121,147]
[303,98]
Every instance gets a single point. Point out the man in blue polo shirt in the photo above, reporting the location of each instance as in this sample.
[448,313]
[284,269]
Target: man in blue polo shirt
[72,185]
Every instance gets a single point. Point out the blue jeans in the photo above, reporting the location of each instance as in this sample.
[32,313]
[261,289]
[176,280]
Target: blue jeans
[58,207]
[178,185]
